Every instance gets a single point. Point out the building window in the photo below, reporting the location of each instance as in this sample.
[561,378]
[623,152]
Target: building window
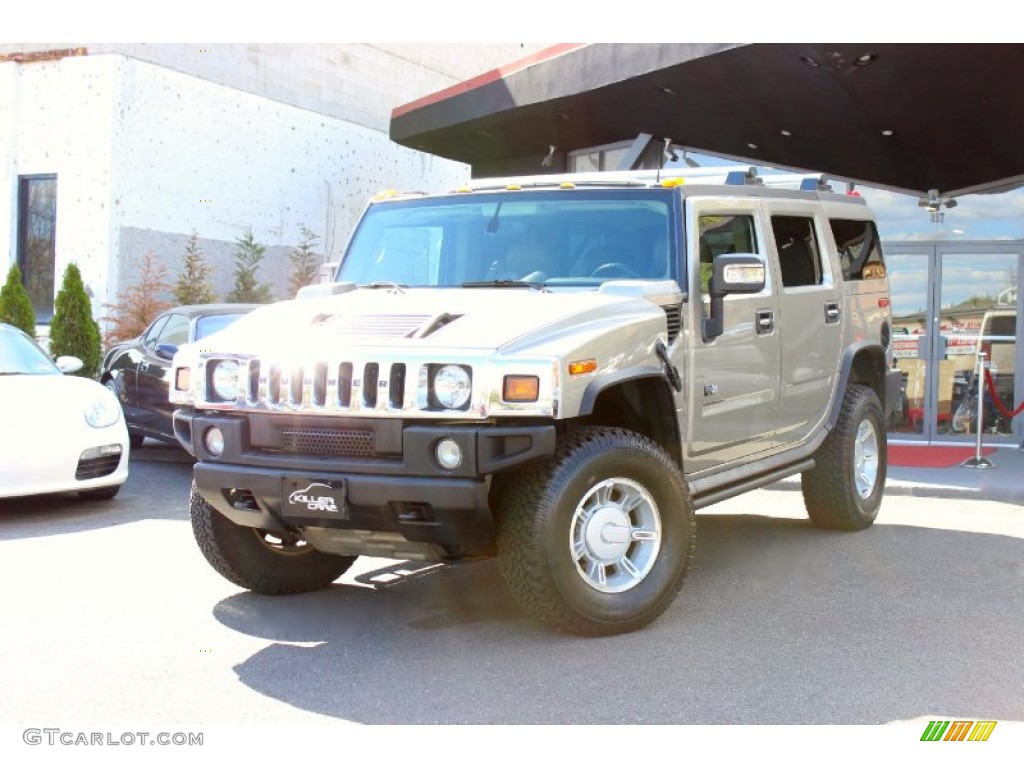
[606,158]
[37,230]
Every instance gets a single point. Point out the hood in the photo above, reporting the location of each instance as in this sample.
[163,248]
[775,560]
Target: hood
[420,318]
[46,401]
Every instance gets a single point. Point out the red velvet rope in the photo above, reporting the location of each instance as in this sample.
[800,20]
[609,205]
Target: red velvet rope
[995,398]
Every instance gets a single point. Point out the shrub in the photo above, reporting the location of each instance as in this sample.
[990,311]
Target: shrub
[135,309]
[305,262]
[247,260]
[15,305]
[194,285]
[72,329]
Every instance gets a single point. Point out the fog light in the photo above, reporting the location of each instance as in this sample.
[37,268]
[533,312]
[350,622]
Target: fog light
[214,441]
[448,453]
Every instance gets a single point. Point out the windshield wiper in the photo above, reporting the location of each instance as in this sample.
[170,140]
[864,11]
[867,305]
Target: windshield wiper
[506,284]
[386,284]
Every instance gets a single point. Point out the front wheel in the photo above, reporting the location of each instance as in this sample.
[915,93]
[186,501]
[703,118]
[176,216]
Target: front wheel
[598,539]
[844,490]
[273,564]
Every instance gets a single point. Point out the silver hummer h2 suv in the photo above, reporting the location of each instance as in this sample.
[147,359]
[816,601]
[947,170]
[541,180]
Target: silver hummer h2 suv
[557,371]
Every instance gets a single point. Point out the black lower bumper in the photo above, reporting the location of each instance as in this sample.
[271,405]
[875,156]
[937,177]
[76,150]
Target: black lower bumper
[402,490]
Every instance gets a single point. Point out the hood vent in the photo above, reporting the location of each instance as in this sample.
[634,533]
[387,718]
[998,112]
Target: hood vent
[374,325]
[436,323]
[674,316]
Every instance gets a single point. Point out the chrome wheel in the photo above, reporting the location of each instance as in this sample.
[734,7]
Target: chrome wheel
[865,459]
[615,535]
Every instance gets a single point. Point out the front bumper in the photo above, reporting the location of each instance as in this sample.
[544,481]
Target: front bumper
[396,487]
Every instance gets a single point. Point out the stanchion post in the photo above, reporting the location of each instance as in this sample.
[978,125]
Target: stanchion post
[978,461]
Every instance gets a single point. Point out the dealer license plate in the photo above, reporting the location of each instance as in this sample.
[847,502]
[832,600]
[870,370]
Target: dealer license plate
[308,497]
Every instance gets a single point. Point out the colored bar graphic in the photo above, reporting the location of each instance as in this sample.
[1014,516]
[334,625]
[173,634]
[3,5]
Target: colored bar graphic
[982,730]
[935,730]
[958,730]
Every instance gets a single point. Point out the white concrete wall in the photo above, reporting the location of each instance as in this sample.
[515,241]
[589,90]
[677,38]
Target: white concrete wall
[145,154]
[58,117]
[193,155]
[357,82]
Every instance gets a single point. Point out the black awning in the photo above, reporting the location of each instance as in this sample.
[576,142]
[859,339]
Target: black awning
[910,117]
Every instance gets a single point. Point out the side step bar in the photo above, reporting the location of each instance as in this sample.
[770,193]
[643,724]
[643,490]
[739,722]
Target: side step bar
[715,495]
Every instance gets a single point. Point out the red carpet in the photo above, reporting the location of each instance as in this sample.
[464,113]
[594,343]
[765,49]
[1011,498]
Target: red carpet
[932,456]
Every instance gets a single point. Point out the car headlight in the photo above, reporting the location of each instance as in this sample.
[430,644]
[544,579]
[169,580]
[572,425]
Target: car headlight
[224,380]
[103,410]
[452,386]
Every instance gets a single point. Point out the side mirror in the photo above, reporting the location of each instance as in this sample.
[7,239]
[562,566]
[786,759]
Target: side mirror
[166,351]
[731,273]
[69,363]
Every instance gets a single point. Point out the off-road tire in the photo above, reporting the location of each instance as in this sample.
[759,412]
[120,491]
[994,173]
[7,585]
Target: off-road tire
[544,527]
[249,558]
[854,454]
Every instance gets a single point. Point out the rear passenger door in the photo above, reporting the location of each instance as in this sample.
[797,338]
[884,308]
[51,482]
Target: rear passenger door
[809,319]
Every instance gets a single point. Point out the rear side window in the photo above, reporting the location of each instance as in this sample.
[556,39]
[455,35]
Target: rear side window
[799,260]
[860,251]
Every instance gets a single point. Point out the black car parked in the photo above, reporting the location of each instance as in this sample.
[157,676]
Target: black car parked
[138,371]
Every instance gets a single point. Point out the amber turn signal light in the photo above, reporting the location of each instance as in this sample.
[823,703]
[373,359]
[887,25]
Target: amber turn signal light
[521,389]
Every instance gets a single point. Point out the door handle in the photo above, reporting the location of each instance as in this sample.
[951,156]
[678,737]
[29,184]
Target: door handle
[765,321]
[832,312]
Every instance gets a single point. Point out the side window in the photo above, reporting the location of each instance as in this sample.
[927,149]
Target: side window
[729,233]
[149,340]
[799,259]
[860,251]
[175,331]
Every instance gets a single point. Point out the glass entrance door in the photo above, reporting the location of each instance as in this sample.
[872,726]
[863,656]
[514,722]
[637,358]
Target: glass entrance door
[950,303]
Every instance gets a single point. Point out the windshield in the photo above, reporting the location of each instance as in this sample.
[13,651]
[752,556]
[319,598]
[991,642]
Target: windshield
[213,323]
[21,355]
[553,237]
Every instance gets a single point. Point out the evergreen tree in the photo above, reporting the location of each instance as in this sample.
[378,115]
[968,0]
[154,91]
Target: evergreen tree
[247,260]
[305,262]
[194,285]
[15,305]
[72,329]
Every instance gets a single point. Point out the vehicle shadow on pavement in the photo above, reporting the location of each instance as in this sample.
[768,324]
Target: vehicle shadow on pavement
[777,623]
[158,485]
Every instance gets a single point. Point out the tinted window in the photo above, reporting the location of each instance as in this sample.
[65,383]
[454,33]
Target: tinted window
[175,331]
[213,323]
[799,260]
[723,234]
[37,231]
[860,252]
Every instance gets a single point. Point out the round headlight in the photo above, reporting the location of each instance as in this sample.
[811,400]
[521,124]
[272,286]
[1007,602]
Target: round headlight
[224,380]
[452,386]
[103,411]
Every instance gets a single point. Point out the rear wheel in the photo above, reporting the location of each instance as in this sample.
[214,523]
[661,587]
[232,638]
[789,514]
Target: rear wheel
[598,539]
[844,490]
[270,563]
